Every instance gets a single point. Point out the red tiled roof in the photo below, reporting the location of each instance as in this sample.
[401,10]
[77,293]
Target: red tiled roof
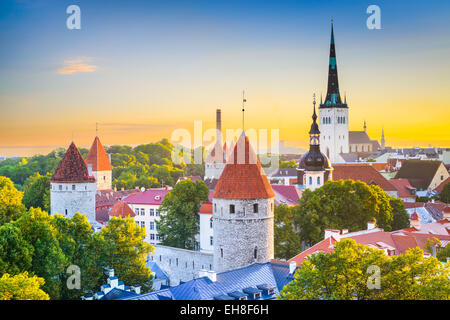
[361,172]
[288,195]
[414,217]
[150,197]
[400,241]
[403,187]
[206,208]
[441,186]
[243,177]
[72,168]
[409,205]
[121,209]
[97,157]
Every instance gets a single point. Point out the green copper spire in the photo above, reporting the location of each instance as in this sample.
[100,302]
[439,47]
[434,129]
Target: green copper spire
[333,97]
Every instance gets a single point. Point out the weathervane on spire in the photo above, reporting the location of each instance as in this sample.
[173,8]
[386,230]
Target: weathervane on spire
[243,108]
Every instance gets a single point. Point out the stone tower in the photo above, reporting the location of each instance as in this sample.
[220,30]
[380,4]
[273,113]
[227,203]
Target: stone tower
[98,162]
[216,160]
[243,211]
[314,167]
[333,114]
[72,188]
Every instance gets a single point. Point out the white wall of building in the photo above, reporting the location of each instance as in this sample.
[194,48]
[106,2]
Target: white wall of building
[146,217]
[103,179]
[206,233]
[334,135]
[70,198]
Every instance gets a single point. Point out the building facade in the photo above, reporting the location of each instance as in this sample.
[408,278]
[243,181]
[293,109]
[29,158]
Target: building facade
[73,187]
[98,161]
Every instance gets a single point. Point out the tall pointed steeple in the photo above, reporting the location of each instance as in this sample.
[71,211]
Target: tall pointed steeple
[333,97]
[383,142]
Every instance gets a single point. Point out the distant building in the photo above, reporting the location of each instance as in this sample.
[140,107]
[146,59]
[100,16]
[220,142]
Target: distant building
[405,190]
[73,187]
[365,173]
[287,195]
[286,176]
[424,175]
[216,160]
[146,206]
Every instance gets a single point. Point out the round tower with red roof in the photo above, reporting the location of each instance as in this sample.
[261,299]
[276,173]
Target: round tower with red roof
[72,187]
[243,211]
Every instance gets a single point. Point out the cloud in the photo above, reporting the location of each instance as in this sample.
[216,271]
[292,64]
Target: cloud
[77,65]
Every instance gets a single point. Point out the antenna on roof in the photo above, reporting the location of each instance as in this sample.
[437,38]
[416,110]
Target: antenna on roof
[243,108]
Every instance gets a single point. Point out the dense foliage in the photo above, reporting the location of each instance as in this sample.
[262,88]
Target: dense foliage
[179,224]
[336,205]
[45,246]
[444,196]
[350,272]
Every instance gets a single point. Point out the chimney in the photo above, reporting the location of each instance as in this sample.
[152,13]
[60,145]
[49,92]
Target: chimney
[212,275]
[89,167]
[292,267]
[370,225]
[331,232]
[414,220]
[202,273]
[446,213]
[136,289]
[219,125]
[344,231]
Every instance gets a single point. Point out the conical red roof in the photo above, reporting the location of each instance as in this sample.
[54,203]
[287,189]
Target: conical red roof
[97,157]
[243,177]
[121,209]
[72,167]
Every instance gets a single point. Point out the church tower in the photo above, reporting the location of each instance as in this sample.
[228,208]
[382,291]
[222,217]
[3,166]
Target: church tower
[314,167]
[383,142]
[333,114]
[243,211]
[98,162]
[72,187]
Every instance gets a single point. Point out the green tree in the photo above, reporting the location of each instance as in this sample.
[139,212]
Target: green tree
[48,260]
[400,216]
[37,192]
[15,252]
[287,241]
[179,221]
[344,275]
[341,204]
[444,196]
[11,206]
[120,245]
[22,287]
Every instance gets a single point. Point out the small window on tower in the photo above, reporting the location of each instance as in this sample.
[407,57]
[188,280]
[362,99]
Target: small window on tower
[73,187]
[231,208]
[255,208]
[255,253]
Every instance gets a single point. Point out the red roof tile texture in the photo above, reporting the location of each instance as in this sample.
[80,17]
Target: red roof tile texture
[121,209]
[97,157]
[403,187]
[361,172]
[206,208]
[441,186]
[72,168]
[243,177]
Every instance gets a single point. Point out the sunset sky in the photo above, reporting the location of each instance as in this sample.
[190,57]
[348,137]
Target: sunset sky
[142,69]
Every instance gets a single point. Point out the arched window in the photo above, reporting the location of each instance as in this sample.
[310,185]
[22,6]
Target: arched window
[255,253]
[255,208]
[310,180]
[318,180]
[221,252]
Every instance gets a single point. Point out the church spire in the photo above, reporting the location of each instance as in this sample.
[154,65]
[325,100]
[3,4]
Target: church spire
[333,97]
[314,133]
